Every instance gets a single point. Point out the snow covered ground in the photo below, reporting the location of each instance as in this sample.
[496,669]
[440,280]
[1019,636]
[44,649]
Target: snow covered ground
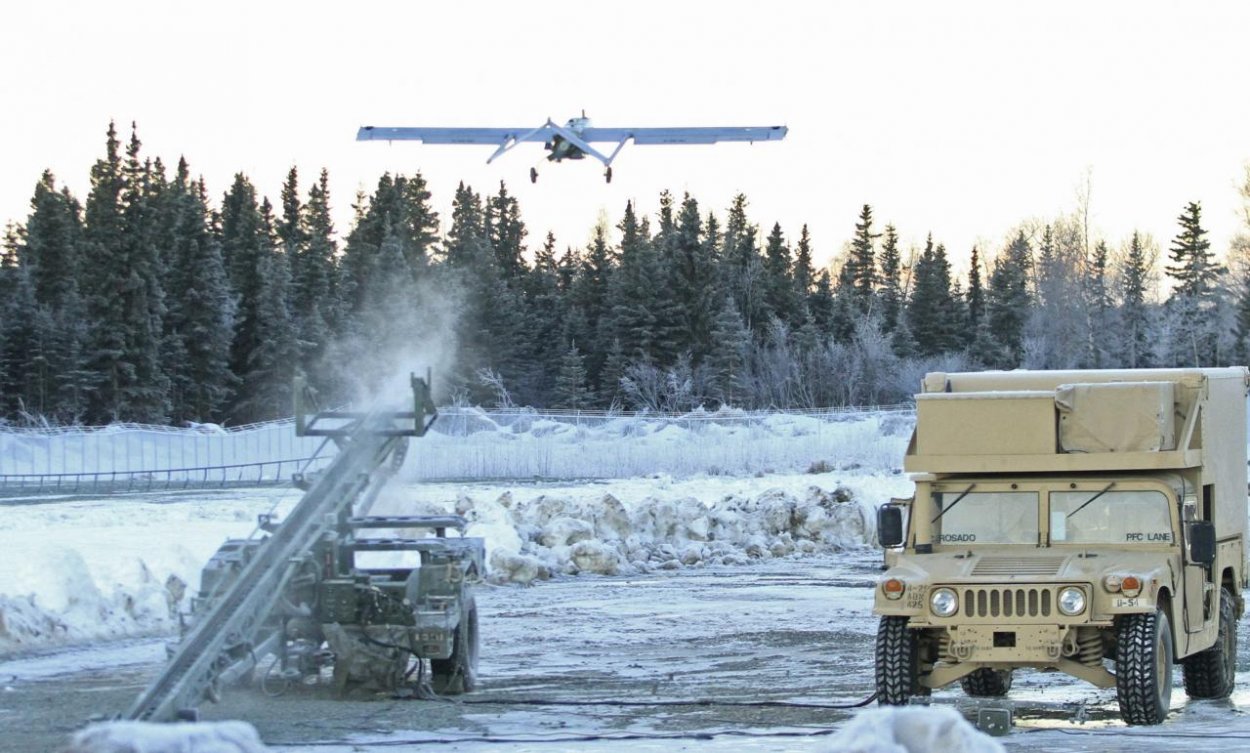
[731,574]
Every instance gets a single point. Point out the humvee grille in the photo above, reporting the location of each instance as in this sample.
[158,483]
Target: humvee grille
[1007,602]
[1005,566]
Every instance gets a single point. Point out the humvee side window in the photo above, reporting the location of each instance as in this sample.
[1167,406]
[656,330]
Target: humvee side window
[1117,517]
[986,518]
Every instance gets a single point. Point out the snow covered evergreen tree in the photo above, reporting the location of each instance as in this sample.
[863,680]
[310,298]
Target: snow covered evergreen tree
[572,391]
[744,266]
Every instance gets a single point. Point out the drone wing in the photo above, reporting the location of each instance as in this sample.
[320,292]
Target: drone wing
[645,136]
[496,136]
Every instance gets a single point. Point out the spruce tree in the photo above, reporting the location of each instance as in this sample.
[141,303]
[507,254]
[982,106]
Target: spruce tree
[1194,304]
[862,262]
[975,295]
[315,305]
[50,243]
[25,336]
[779,295]
[845,313]
[1101,333]
[631,321]
[146,393]
[201,312]
[1008,300]
[270,370]
[693,280]
[891,284]
[245,243]
[1134,312]
[744,267]
[572,391]
[102,286]
[546,307]
[589,296]
[506,233]
[932,312]
[820,303]
[727,361]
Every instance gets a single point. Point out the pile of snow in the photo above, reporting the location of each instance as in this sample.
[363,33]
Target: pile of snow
[111,568]
[913,730]
[88,570]
[145,737]
[634,527]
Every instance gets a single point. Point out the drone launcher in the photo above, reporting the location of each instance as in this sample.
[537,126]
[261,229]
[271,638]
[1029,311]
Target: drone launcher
[298,604]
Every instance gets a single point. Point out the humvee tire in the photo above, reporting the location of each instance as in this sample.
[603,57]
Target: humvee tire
[458,673]
[1143,677]
[1212,673]
[987,683]
[897,662]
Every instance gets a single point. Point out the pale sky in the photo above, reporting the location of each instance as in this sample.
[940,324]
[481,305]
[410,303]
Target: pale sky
[960,119]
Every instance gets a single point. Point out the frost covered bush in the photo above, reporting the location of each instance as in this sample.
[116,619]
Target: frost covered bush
[550,535]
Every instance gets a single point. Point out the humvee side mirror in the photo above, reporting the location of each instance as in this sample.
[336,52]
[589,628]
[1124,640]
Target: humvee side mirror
[1201,535]
[889,526]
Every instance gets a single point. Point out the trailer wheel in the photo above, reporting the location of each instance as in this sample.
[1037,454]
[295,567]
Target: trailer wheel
[987,683]
[458,673]
[1143,678]
[897,662]
[1212,673]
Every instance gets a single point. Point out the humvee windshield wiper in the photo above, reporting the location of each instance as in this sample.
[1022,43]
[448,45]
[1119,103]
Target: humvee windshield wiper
[1091,499]
[952,504]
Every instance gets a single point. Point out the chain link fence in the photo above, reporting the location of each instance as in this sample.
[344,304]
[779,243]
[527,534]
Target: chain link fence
[464,444]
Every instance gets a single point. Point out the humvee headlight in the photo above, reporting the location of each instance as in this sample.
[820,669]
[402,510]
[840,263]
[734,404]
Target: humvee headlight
[893,588]
[1130,586]
[944,602]
[1071,601]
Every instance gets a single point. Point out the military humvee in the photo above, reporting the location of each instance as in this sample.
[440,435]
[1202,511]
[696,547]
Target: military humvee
[1089,522]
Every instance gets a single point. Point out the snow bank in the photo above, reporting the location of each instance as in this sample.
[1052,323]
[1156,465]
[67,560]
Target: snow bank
[124,566]
[97,570]
[144,737]
[632,529]
[913,730]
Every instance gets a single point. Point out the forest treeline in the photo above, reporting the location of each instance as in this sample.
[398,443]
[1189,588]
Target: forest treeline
[146,303]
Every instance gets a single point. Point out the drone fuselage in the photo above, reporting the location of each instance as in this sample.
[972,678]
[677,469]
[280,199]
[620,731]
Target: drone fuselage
[559,147]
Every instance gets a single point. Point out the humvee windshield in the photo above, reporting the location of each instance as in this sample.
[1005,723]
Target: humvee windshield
[986,517]
[1088,516]
[1117,517]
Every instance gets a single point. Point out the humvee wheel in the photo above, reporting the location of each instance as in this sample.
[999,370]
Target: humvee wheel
[1211,673]
[1143,677]
[458,673]
[898,662]
[987,683]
